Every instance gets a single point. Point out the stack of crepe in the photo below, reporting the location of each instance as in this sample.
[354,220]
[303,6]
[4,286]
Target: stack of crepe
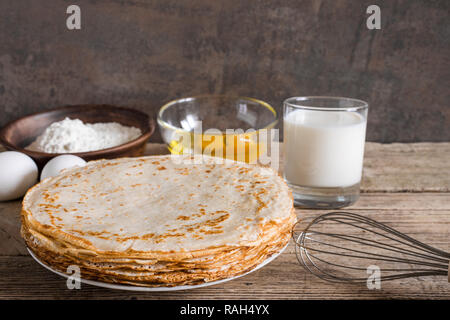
[159,221]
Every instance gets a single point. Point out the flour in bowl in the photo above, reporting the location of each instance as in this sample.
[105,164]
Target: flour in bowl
[72,136]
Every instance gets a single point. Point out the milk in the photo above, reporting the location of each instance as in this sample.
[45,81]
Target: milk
[324,148]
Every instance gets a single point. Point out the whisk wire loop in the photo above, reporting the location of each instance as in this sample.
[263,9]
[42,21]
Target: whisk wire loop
[362,242]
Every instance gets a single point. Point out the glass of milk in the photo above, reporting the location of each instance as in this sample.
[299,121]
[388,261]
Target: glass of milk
[324,149]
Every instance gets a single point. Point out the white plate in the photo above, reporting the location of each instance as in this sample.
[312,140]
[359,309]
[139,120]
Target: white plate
[156,289]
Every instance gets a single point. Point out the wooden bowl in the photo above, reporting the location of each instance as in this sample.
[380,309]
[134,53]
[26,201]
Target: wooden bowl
[18,134]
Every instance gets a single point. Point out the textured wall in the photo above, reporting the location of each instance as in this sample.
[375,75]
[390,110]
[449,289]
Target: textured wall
[143,53]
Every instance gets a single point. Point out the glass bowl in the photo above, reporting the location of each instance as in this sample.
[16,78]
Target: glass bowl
[218,125]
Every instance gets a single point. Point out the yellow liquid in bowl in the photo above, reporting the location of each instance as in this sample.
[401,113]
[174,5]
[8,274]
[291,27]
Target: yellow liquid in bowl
[239,147]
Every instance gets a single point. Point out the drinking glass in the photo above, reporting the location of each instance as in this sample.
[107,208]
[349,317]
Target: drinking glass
[324,148]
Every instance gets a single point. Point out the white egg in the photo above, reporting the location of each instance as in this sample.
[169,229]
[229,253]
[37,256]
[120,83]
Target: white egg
[18,173]
[59,163]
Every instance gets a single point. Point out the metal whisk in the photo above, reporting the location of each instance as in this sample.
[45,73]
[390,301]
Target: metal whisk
[340,246]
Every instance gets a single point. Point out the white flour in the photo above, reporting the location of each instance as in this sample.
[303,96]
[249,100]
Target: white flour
[70,136]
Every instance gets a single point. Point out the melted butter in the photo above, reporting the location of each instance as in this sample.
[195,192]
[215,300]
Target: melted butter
[244,147]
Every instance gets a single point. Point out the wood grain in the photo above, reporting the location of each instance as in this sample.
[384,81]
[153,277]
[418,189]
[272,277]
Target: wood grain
[404,167]
[407,167]
[406,186]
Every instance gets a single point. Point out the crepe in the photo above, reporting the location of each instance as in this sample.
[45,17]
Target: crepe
[161,220]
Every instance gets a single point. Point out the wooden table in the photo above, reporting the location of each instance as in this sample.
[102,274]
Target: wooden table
[404,185]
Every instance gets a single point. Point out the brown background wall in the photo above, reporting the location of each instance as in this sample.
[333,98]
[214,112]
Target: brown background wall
[143,53]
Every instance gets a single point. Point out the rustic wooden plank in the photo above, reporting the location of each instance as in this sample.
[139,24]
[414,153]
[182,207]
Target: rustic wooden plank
[396,167]
[420,212]
[21,277]
[403,201]
[284,278]
[401,167]
[423,215]
[406,167]
[11,243]
[432,227]
[155,149]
